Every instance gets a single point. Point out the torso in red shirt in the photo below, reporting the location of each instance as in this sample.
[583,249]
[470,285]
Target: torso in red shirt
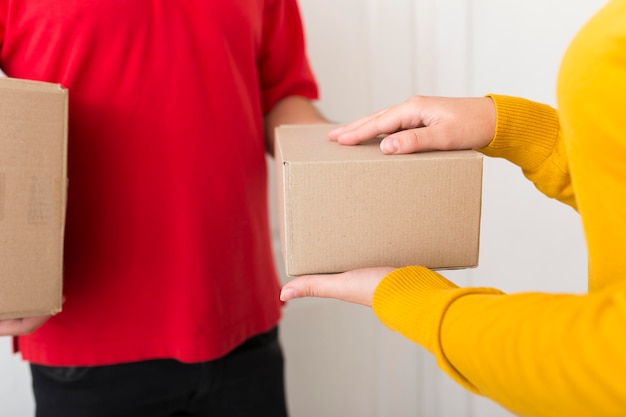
[167,249]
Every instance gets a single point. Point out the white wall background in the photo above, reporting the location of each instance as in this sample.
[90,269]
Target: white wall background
[369,54]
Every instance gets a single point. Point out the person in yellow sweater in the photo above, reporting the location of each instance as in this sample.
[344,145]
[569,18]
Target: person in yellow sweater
[536,354]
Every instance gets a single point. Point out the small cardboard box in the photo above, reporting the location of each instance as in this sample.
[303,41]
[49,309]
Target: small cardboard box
[347,207]
[33,155]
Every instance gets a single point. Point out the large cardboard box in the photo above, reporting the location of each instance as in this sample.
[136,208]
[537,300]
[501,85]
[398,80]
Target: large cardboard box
[33,149]
[347,207]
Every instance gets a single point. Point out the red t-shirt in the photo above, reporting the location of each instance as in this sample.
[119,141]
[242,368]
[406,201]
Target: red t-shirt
[167,250]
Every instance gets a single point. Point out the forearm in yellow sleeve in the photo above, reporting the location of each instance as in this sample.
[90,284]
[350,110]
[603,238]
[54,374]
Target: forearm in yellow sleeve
[413,301]
[528,134]
[535,354]
[542,354]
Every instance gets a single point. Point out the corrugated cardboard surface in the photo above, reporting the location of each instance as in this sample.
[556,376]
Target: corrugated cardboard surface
[347,207]
[33,160]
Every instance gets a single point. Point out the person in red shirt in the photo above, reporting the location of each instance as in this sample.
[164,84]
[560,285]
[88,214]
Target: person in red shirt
[171,293]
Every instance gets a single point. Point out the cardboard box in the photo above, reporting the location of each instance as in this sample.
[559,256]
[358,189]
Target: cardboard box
[347,207]
[33,155]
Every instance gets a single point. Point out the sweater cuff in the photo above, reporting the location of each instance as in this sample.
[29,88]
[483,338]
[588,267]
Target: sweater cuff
[526,131]
[413,301]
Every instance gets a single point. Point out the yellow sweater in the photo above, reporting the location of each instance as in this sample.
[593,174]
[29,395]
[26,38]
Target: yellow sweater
[543,354]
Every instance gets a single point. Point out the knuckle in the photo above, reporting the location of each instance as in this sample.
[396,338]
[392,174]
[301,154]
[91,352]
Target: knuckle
[411,141]
[415,100]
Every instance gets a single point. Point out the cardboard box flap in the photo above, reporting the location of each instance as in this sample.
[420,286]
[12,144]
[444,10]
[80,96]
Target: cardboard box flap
[321,149]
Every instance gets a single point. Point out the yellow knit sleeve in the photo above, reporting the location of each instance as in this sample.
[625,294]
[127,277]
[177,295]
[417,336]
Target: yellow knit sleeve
[542,354]
[535,354]
[413,301]
[528,134]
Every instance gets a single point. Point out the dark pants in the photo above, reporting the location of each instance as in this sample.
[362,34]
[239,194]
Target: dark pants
[248,382]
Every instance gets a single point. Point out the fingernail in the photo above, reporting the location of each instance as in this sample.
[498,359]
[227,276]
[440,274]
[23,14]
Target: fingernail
[287,294]
[389,145]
